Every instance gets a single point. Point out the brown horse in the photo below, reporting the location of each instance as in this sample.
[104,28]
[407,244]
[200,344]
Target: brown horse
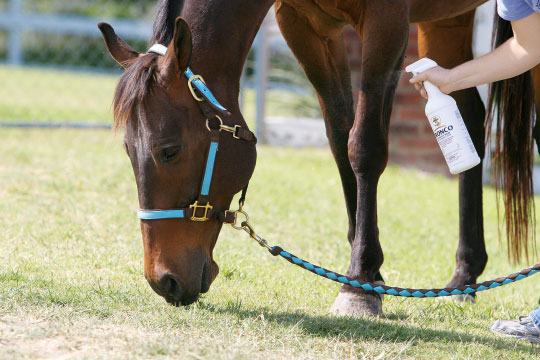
[167,141]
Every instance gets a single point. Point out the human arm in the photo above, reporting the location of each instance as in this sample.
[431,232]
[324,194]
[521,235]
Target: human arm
[515,56]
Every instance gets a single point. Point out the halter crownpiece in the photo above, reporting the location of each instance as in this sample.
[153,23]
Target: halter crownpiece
[158,49]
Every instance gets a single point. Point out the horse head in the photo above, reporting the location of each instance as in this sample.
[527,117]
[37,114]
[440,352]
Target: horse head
[169,128]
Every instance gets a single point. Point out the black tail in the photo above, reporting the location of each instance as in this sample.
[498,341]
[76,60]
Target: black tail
[511,109]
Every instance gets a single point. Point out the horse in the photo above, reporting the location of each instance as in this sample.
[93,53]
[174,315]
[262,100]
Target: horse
[162,105]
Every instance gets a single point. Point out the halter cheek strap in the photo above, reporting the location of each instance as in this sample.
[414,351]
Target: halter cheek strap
[201,210]
[198,82]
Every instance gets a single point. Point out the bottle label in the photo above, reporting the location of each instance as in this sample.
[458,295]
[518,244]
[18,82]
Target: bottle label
[453,137]
[466,133]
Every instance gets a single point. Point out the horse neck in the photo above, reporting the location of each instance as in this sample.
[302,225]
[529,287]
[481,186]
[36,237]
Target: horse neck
[223,32]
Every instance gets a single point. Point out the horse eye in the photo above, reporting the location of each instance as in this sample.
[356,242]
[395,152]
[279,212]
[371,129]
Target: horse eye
[168,154]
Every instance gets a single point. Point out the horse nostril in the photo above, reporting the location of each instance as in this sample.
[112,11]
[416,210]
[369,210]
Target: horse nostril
[171,288]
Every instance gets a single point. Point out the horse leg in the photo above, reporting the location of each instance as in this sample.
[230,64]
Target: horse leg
[449,42]
[324,60]
[385,40]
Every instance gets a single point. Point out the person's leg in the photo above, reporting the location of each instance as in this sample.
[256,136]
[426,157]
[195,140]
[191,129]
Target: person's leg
[535,317]
[525,327]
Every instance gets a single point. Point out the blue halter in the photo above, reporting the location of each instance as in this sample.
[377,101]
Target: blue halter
[201,210]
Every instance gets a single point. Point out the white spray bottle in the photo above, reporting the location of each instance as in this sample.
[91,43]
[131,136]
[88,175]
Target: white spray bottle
[447,123]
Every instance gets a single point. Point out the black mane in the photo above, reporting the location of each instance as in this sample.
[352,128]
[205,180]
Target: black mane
[167,12]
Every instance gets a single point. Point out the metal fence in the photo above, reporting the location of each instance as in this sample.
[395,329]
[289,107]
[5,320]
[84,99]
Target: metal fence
[55,69]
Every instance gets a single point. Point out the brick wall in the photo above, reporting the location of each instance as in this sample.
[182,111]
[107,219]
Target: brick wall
[412,142]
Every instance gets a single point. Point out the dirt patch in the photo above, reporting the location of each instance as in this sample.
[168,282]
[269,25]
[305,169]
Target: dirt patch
[46,338]
[28,337]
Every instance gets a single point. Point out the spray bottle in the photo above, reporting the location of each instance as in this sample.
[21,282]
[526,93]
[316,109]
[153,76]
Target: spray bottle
[447,123]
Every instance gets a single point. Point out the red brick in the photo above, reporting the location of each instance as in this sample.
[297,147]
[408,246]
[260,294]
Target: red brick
[412,50]
[405,84]
[427,129]
[412,114]
[409,98]
[400,129]
[402,158]
[418,143]
[409,60]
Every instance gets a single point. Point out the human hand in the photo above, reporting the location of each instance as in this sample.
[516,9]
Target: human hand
[438,76]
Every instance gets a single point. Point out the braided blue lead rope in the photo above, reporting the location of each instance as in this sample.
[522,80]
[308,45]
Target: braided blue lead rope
[396,291]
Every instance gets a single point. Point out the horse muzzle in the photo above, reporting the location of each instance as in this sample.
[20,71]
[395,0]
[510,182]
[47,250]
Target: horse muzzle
[178,292]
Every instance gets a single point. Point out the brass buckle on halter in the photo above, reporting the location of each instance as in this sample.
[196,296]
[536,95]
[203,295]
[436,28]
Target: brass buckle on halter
[241,226]
[219,119]
[196,206]
[192,88]
[246,226]
[232,129]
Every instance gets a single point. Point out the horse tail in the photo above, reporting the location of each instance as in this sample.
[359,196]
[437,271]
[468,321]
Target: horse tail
[511,110]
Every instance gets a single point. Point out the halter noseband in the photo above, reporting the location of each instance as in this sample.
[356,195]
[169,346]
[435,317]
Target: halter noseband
[201,210]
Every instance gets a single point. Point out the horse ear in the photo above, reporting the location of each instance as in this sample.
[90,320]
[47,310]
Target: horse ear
[118,48]
[179,52]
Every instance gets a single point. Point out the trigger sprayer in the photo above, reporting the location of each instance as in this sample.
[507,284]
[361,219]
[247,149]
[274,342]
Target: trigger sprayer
[447,123]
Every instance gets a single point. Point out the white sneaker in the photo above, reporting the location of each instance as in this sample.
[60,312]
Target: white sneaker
[522,328]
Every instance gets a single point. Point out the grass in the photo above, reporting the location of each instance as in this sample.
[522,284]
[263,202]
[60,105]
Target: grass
[41,95]
[71,281]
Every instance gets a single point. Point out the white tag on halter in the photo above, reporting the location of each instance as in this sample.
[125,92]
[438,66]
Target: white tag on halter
[158,49]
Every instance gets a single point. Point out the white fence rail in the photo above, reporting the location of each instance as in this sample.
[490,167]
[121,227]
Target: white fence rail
[16,21]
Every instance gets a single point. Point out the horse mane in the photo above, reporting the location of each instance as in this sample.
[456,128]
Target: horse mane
[134,84]
[138,79]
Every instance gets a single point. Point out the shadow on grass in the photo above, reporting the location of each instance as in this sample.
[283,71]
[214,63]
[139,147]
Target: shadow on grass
[370,329]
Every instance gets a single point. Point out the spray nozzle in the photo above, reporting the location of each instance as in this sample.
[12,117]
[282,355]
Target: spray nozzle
[420,66]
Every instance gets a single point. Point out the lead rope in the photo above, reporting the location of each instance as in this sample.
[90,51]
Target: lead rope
[378,288]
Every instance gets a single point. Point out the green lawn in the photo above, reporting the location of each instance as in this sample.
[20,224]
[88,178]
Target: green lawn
[72,285]
[41,95]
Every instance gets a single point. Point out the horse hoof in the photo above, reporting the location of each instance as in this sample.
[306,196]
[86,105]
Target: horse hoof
[356,304]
